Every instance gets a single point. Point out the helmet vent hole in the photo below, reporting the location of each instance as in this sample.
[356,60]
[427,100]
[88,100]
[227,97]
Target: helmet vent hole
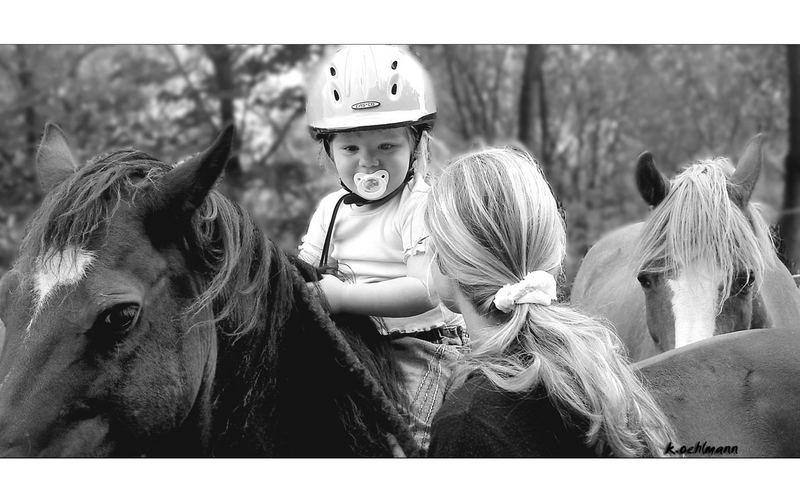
[333,72]
[394,65]
[335,95]
[394,88]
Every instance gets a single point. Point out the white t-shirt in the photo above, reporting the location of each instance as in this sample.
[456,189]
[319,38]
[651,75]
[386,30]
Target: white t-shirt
[373,244]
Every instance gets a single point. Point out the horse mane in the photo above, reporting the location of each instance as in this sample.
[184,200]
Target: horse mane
[698,224]
[262,308]
[256,292]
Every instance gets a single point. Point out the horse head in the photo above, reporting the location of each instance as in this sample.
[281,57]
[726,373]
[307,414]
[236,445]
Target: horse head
[704,249]
[99,309]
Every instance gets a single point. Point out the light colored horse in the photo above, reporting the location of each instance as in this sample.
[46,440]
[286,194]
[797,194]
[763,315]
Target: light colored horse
[703,263]
[739,390]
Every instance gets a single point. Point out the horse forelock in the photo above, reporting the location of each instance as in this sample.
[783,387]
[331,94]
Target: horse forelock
[63,236]
[58,270]
[67,230]
[699,225]
[74,212]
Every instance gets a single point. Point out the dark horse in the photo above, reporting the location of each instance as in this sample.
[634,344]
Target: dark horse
[148,315]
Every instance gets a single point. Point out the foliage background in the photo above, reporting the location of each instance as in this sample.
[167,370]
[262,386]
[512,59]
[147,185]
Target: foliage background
[586,112]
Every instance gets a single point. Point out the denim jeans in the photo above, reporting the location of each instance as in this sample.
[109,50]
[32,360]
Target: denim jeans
[427,368]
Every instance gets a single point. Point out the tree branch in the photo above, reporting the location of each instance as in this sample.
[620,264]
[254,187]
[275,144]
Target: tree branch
[193,91]
[281,136]
[459,104]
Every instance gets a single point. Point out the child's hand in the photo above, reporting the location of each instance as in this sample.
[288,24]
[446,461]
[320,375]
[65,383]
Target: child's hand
[334,290]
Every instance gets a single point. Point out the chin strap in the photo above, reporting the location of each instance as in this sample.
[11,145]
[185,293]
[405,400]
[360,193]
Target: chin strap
[353,198]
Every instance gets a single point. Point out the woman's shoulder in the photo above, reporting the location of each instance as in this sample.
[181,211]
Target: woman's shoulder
[462,399]
[479,397]
[500,423]
[458,431]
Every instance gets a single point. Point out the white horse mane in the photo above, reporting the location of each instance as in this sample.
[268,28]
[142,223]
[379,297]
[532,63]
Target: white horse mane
[698,225]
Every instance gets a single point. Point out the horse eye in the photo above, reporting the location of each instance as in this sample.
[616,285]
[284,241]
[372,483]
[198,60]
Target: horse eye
[644,280]
[744,282]
[119,318]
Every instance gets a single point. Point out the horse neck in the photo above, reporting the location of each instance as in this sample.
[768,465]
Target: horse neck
[298,385]
[760,317]
[250,336]
[286,377]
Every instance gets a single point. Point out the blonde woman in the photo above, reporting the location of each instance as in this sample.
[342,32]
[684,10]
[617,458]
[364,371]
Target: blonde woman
[542,379]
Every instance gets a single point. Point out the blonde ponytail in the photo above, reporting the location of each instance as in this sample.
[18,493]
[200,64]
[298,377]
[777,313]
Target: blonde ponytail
[578,360]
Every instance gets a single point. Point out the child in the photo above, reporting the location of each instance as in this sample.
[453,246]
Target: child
[372,107]
[541,379]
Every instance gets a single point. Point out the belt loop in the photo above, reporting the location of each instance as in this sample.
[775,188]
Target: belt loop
[461,334]
[436,334]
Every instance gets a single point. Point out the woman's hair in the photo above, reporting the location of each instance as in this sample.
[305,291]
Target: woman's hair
[493,219]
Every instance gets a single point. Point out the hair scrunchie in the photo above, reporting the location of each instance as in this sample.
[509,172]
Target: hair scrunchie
[537,287]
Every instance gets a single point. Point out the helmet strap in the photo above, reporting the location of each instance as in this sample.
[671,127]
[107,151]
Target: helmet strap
[353,198]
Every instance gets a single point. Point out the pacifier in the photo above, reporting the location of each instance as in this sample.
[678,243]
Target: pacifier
[371,186]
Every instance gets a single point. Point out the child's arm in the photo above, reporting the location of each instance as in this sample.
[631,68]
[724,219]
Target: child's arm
[312,241]
[395,298]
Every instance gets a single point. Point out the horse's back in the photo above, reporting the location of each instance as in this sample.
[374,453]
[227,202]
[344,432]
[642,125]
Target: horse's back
[606,286]
[740,389]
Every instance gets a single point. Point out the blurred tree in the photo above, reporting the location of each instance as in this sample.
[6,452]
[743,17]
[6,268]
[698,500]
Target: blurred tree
[584,111]
[234,87]
[168,101]
[790,219]
[476,89]
[533,98]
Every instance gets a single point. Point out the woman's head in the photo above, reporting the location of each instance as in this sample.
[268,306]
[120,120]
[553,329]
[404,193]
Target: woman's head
[493,222]
[493,219]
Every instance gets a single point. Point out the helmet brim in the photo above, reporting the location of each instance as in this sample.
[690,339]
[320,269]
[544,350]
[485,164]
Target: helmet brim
[385,120]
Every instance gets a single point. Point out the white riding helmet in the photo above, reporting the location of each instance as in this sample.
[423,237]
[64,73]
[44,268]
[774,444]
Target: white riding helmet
[368,87]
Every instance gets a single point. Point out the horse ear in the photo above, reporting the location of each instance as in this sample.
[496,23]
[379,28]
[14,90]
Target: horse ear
[181,191]
[653,186]
[54,161]
[745,177]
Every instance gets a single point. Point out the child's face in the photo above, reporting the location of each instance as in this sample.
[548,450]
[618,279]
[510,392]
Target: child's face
[372,163]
